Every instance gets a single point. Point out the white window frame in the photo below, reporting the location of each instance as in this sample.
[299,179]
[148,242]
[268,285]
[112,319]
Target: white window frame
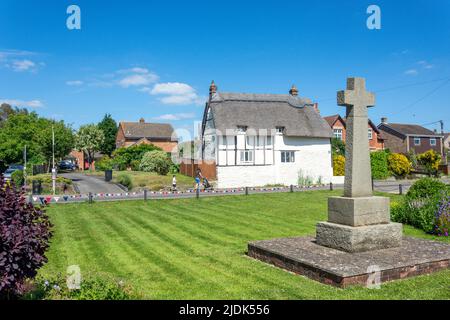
[287,156]
[417,141]
[246,156]
[269,141]
[434,143]
[370,133]
[338,133]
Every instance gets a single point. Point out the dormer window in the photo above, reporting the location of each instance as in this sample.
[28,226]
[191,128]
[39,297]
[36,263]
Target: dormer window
[279,129]
[242,129]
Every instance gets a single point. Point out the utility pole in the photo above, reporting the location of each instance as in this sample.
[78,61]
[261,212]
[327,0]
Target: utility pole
[53,156]
[25,166]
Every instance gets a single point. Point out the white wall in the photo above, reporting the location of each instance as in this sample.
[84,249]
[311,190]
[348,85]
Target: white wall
[312,157]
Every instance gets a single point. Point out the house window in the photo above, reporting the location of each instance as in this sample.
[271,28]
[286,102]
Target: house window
[433,142]
[370,134]
[417,141]
[247,156]
[279,129]
[250,141]
[338,133]
[269,141]
[287,156]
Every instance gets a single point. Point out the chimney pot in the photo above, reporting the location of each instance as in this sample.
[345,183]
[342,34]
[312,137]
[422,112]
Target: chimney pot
[316,107]
[384,120]
[141,120]
[294,91]
[212,89]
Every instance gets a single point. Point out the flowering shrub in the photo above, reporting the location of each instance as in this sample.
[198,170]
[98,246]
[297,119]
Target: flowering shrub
[156,161]
[399,165]
[442,217]
[430,160]
[25,232]
[338,165]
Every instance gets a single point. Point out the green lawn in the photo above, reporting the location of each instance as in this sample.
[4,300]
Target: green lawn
[195,249]
[151,180]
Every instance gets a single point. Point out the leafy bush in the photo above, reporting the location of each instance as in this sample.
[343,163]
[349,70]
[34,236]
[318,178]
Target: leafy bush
[105,163]
[125,180]
[442,217]
[339,165]
[174,168]
[156,161]
[124,156]
[47,179]
[399,165]
[25,232]
[135,165]
[337,147]
[379,164]
[425,188]
[92,287]
[430,160]
[17,177]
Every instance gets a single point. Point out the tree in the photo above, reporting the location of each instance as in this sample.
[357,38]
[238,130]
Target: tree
[109,128]
[124,157]
[64,139]
[6,110]
[88,139]
[337,147]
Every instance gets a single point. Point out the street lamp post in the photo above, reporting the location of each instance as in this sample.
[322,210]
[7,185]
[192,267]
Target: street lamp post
[53,168]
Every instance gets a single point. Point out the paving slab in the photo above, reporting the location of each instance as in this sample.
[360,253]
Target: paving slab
[339,268]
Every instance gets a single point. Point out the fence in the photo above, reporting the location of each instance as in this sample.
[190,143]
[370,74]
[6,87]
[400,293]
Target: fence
[189,168]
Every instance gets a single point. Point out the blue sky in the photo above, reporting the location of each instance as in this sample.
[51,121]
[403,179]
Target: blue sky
[156,59]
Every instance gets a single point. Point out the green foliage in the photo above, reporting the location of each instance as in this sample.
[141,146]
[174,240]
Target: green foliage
[399,165]
[123,157]
[125,180]
[109,128]
[18,178]
[47,179]
[379,164]
[337,147]
[174,168]
[135,165]
[338,165]
[28,129]
[156,161]
[105,163]
[92,287]
[430,160]
[304,180]
[89,139]
[425,188]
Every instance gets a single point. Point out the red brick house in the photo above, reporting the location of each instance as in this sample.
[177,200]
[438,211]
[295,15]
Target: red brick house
[134,133]
[337,123]
[403,138]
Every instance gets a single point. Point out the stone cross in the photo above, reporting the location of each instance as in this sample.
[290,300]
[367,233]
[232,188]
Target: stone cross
[358,173]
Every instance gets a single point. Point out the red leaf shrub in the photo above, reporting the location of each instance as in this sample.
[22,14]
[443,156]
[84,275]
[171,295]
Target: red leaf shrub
[25,233]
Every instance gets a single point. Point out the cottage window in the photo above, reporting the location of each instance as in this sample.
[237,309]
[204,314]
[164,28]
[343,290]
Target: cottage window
[338,133]
[370,134]
[269,141]
[247,156]
[250,141]
[417,141]
[287,156]
[433,142]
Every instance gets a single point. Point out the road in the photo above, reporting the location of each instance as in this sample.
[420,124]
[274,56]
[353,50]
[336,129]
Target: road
[92,184]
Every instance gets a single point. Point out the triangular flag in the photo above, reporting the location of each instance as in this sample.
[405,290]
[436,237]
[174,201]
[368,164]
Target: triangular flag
[65,198]
[56,198]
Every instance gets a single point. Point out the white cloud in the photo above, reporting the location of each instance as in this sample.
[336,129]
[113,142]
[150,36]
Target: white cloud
[23,65]
[411,72]
[425,64]
[22,103]
[177,93]
[74,83]
[176,116]
[19,60]
[138,80]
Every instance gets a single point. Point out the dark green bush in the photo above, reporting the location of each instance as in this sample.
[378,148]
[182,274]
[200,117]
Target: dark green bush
[425,188]
[125,180]
[105,163]
[379,164]
[17,178]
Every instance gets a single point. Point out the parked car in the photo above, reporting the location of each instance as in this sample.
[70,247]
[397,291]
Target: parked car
[66,165]
[11,169]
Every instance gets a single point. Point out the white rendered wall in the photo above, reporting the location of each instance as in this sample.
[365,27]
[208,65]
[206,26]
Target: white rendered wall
[312,158]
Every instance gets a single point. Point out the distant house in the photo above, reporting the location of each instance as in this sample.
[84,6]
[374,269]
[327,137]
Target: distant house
[265,139]
[134,133]
[404,138]
[447,141]
[338,125]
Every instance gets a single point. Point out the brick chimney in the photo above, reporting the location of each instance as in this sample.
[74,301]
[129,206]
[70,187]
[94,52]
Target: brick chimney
[212,89]
[294,91]
[384,120]
[141,120]
[316,107]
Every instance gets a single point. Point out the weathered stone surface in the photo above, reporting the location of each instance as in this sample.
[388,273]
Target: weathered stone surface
[304,256]
[358,239]
[358,211]
[357,158]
